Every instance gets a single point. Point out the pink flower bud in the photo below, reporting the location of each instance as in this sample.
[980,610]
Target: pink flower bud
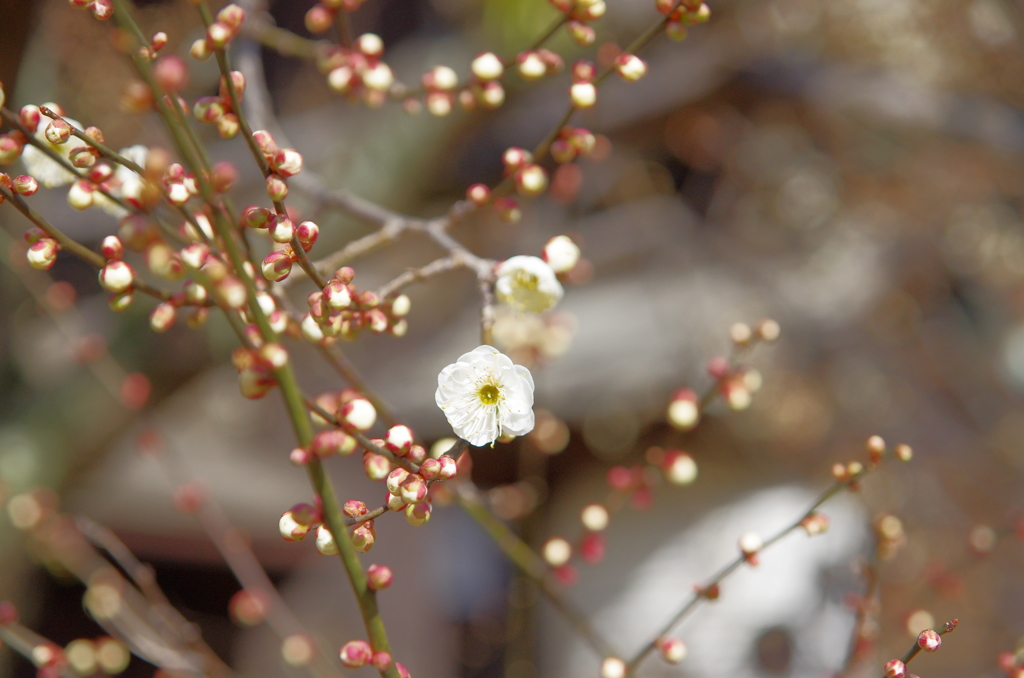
[218,35]
[583,95]
[430,469]
[337,295]
[491,95]
[256,382]
[630,67]
[277,189]
[299,456]
[531,180]
[80,195]
[325,543]
[116,276]
[25,185]
[514,158]
[42,254]
[530,65]
[290,528]
[287,162]
[237,82]
[376,321]
[162,317]
[395,502]
[10,148]
[478,194]
[508,209]
[282,229]
[194,256]
[929,640]
[358,413]
[679,467]
[111,247]
[57,131]
[257,217]
[375,466]
[30,116]
[414,489]
[379,577]
[102,9]
[672,650]
[307,232]
[355,508]
[448,468]
[402,671]
[584,71]
[265,141]
[158,41]
[248,608]
[815,523]
[750,543]
[228,126]
[417,453]
[381,661]
[363,537]
[581,33]
[894,668]
[231,292]
[592,547]
[356,653]
[418,514]
[395,480]
[120,302]
[232,16]
[171,73]
[684,409]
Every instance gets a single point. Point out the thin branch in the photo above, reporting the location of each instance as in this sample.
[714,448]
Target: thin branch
[702,593]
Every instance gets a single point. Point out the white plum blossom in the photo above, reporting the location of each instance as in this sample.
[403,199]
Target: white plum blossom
[46,171]
[527,284]
[484,395]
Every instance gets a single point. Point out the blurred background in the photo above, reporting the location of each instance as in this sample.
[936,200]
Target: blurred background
[851,168]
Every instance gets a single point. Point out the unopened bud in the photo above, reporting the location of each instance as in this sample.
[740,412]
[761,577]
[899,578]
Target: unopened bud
[116,276]
[379,577]
[929,640]
[630,67]
[684,409]
[672,650]
[376,466]
[42,254]
[356,653]
[418,514]
[325,543]
[613,667]
[359,413]
[487,66]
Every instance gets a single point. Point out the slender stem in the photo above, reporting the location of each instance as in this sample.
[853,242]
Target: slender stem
[702,593]
[75,248]
[412,275]
[915,649]
[337,359]
[531,565]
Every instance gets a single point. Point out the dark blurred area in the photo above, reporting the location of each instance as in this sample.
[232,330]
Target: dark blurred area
[851,168]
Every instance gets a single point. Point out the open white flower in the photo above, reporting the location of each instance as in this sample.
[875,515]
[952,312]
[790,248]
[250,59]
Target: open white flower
[527,284]
[484,395]
[46,171]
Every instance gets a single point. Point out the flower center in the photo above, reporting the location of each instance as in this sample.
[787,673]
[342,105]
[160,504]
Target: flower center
[489,394]
[526,280]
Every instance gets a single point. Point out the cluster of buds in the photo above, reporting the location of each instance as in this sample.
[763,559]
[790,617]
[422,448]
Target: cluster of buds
[282,230]
[750,544]
[297,521]
[538,63]
[441,84]
[219,33]
[636,482]
[256,368]
[323,14]
[341,310]
[485,90]
[358,653]
[42,249]
[530,178]
[218,110]
[101,9]
[581,14]
[583,91]
[358,72]
[572,142]
[178,185]
[682,14]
